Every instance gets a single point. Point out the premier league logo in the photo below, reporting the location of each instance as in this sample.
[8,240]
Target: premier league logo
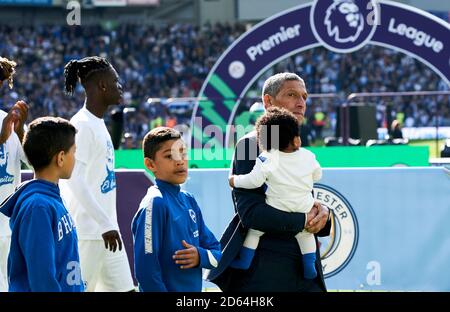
[344,21]
[337,250]
[344,25]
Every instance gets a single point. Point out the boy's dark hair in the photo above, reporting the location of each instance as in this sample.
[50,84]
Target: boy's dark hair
[155,138]
[82,70]
[280,123]
[46,137]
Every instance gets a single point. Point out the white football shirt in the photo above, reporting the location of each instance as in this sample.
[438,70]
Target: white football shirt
[11,153]
[95,150]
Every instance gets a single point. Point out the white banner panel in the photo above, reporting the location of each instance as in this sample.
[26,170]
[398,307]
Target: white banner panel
[109,3]
[143,2]
[390,229]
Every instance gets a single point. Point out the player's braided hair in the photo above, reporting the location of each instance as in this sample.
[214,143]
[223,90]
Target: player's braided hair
[7,70]
[81,70]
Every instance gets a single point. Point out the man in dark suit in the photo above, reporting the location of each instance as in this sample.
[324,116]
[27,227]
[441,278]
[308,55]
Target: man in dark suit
[277,264]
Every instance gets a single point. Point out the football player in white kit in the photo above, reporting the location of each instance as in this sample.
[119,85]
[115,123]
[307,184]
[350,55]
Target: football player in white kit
[90,193]
[11,153]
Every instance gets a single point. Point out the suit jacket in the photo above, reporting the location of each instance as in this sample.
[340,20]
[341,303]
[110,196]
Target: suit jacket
[251,211]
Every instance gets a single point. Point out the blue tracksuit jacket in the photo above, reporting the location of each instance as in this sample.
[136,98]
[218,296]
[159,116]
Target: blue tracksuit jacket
[44,245]
[167,216]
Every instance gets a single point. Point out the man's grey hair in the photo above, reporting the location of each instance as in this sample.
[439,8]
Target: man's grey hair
[273,84]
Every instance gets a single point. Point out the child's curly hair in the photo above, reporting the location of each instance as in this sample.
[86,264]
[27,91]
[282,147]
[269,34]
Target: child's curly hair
[7,70]
[276,129]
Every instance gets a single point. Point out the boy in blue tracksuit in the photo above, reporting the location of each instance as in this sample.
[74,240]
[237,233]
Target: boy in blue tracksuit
[44,247]
[171,241]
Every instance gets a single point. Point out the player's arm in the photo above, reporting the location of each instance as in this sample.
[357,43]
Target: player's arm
[251,204]
[254,179]
[209,248]
[22,110]
[14,121]
[37,242]
[148,228]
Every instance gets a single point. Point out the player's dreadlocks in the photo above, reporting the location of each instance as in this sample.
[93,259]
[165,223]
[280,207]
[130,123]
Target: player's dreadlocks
[82,70]
[7,70]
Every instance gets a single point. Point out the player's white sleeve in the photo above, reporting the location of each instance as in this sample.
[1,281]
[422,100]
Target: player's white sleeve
[83,194]
[254,179]
[21,154]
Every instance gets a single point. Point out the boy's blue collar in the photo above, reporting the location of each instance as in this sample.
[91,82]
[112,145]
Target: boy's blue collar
[50,184]
[172,188]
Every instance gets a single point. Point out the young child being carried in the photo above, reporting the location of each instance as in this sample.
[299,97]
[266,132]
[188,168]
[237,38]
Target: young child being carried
[289,173]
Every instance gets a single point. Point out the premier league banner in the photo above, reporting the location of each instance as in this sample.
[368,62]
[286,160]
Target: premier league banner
[342,26]
[390,227]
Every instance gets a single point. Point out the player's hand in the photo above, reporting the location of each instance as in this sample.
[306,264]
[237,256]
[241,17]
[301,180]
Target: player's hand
[188,258]
[311,214]
[319,221]
[231,181]
[112,240]
[21,108]
[7,126]
[15,118]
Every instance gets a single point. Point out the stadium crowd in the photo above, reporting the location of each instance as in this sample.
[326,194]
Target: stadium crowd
[173,61]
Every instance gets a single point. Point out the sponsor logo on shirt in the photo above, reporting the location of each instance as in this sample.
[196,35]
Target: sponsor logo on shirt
[5,177]
[109,183]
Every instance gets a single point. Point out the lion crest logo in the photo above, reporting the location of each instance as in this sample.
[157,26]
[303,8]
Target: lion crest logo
[344,21]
